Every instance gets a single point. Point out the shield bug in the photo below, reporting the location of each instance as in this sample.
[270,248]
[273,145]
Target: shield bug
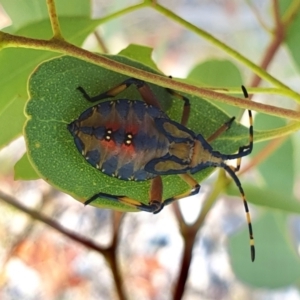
[136,140]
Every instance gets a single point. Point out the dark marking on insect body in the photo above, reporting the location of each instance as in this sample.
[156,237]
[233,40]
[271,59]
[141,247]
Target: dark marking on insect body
[120,138]
[135,140]
[131,140]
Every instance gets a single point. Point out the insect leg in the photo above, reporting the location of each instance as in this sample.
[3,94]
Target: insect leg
[243,150]
[248,148]
[186,107]
[219,131]
[195,187]
[142,87]
[227,125]
[155,202]
[111,92]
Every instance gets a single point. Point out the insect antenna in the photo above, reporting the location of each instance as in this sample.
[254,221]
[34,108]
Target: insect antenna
[243,151]
[231,172]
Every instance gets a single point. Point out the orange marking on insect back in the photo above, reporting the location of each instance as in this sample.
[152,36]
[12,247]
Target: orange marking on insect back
[129,149]
[113,126]
[110,145]
[132,128]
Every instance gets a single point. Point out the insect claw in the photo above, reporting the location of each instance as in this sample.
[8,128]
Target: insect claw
[153,207]
[229,123]
[90,200]
[159,206]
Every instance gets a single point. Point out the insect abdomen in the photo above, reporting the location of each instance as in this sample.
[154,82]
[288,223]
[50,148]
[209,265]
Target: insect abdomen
[120,137]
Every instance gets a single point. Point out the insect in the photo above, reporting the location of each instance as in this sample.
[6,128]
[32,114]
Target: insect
[136,140]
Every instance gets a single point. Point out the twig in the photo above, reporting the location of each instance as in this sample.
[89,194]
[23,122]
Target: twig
[259,18]
[54,20]
[111,258]
[109,253]
[44,219]
[278,38]
[66,48]
[189,233]
[100,42]
[27,229]
[232,53]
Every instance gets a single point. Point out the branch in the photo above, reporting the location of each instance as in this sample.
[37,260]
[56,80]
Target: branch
[109,253]
[232,53]
[278,38]
[111,259]
[56,226]
[189,233]
[64,47]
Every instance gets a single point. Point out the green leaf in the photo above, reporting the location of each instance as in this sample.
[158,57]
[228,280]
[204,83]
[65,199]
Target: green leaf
[218,73]
[292,32]
[277,263]
[268,197]
[23,13]
[141,54]
[277,170]
[55,102]
[24,170]
[17,64]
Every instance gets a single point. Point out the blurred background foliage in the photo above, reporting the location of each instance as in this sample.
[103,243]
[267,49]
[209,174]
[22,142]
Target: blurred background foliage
[191,250]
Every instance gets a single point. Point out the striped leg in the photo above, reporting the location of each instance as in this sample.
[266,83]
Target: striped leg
[195,188]
[155,202]
[243,150]
[186,107]
[145,92]
[219,131]
[142,87]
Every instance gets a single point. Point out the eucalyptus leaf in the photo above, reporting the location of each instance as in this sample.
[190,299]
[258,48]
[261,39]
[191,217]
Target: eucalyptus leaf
[218,73]
[277,170]
[55,102]
[141,54]
[292,34]
[267,197]
[18,63]
[277,263]
[23,169]
[23,13]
